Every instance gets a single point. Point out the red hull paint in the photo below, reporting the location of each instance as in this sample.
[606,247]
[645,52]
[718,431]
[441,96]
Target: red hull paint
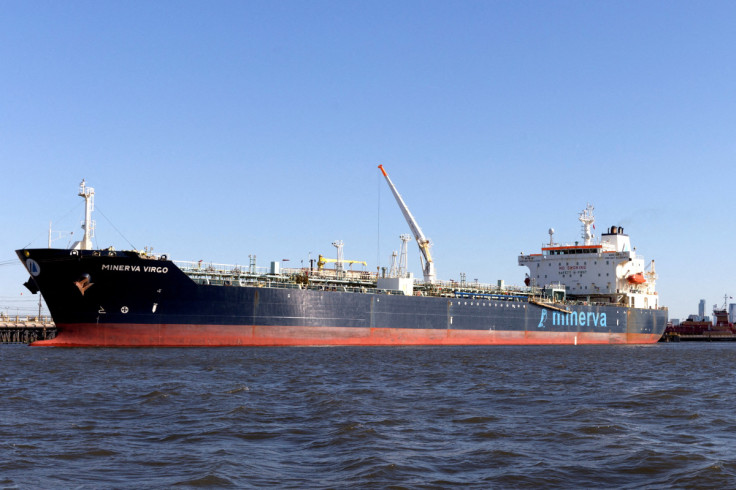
[133,335]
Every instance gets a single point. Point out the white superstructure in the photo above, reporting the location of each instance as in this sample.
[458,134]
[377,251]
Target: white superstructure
[607,271]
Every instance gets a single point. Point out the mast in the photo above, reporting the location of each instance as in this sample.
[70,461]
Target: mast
[88,193]
[394,269]
[403,262]
[339,263]
[587,219]
[430,275]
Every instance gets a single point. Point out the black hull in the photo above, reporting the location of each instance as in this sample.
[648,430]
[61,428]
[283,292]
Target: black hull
[105,298]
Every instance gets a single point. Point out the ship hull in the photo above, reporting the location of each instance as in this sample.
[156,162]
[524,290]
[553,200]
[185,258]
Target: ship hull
[100,298]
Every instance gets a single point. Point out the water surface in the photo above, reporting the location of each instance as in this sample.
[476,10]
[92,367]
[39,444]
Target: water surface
[504,417]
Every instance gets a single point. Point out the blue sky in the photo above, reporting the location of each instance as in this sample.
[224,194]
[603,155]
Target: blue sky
[216,130]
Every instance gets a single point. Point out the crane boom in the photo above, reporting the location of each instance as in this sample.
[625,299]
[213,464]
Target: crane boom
[428,264]
[323,260]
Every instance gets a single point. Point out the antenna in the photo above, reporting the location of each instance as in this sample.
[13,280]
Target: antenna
[55,235]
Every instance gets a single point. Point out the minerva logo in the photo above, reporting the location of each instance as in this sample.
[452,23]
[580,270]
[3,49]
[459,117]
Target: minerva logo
[574,319]
[541,320]
[33,267]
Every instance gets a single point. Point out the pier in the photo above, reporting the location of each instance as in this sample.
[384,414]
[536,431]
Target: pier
[25,329]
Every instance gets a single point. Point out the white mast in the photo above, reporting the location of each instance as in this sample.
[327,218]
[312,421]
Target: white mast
[587,219]
[430,275]
[403,261]
[394,270]
[339,262]
[88,193]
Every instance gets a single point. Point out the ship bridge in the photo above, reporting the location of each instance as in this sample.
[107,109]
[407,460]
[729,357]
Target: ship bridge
[571,250]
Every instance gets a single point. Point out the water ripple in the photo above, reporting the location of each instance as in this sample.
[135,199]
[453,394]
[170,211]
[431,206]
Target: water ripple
[504,417]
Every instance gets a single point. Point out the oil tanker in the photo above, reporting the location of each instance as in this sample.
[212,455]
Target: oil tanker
[597,292]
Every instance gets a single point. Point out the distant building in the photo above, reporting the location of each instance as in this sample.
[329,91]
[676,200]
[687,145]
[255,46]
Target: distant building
[732,313]
[701,309]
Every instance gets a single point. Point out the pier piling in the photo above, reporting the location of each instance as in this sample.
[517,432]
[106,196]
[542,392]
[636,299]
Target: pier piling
[25,330]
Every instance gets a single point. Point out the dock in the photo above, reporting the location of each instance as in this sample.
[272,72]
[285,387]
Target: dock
[25,329]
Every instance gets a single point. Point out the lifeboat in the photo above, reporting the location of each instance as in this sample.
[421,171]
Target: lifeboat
[637,278]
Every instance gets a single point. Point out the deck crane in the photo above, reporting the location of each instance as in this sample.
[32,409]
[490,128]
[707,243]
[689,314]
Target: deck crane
[324,260]
[427,264]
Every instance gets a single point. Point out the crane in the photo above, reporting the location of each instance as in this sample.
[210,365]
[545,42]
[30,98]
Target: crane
[324,260]
[430,275]
[339,261]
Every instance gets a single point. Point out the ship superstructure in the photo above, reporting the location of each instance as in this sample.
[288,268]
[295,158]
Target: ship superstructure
[607,271]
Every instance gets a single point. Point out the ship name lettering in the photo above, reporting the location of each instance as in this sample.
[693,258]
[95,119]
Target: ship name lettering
[157,270]
[580,318]
[134,268]
[121,268]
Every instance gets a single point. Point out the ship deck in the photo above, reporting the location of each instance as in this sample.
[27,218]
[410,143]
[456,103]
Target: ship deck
[364,282]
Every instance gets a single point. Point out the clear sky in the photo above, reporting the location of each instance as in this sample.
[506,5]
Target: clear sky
[217,130]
